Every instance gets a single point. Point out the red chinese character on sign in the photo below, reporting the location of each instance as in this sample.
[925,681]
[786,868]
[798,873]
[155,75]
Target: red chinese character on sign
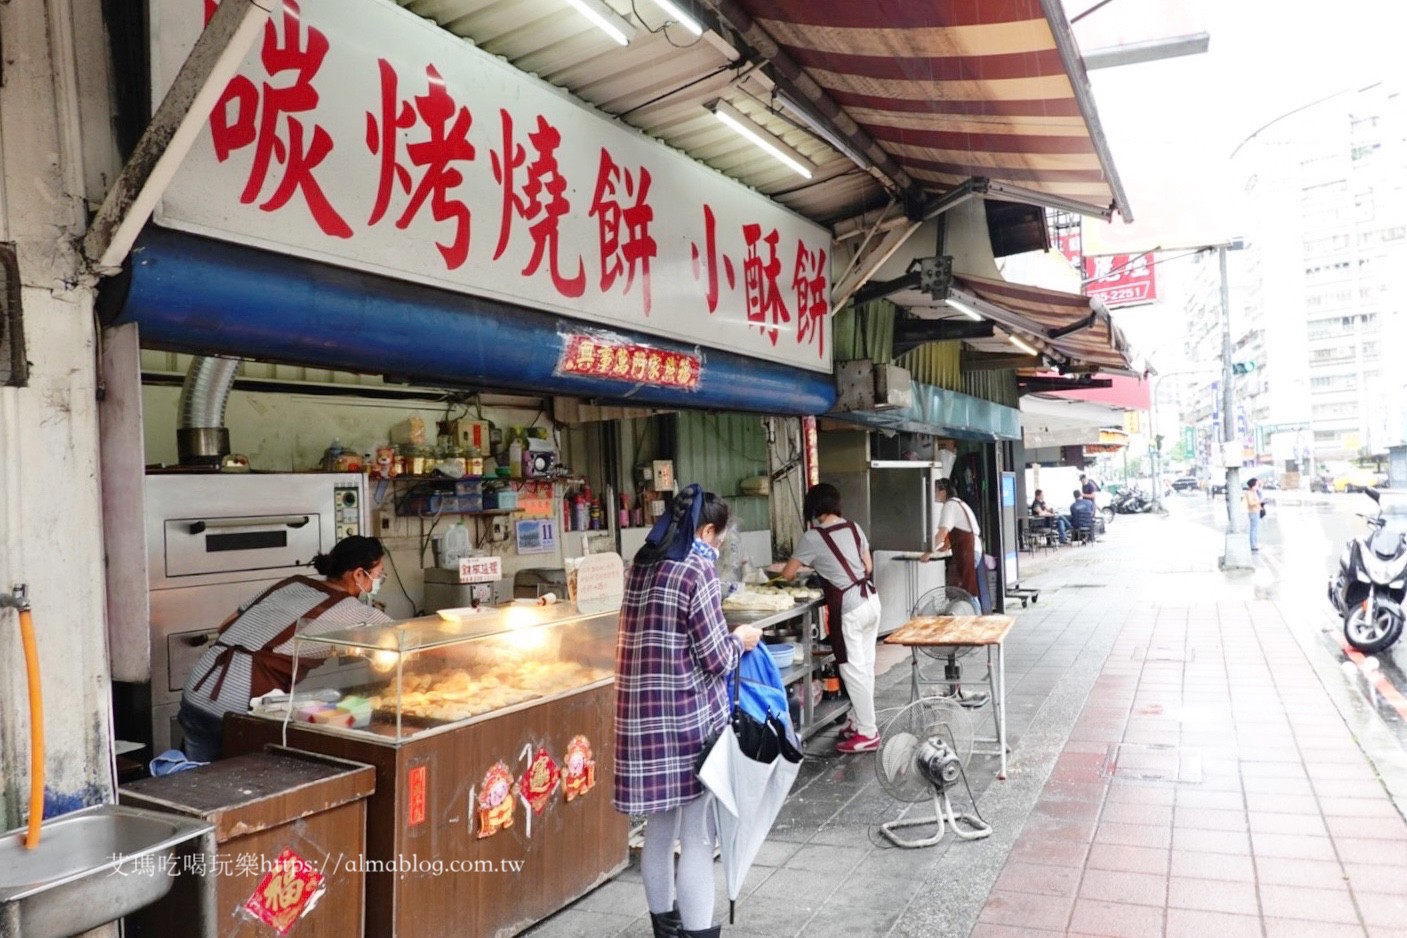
[812,304]
[529,204]
[764,299]
[709,258]
[263,116]
[636,247]
[446,143]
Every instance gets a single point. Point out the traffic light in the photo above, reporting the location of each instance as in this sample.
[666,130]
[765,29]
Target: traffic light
[1243,368]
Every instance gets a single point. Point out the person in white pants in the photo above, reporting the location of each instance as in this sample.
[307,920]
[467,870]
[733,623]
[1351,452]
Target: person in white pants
[839,552]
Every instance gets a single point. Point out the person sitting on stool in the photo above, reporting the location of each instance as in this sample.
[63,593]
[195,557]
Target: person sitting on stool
[1039,509]
[1082,513]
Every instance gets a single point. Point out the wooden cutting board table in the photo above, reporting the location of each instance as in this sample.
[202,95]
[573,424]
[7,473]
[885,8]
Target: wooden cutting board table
[987,632]
[952,630]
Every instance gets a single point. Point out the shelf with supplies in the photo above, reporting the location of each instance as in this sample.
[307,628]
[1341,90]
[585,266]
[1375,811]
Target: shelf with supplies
[432,496]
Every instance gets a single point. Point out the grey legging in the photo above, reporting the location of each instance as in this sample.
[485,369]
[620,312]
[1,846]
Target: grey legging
[692,825]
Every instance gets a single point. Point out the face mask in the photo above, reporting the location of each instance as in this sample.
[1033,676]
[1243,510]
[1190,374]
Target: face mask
[370,594]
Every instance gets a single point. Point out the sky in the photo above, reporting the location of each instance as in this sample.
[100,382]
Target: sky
[1172,125]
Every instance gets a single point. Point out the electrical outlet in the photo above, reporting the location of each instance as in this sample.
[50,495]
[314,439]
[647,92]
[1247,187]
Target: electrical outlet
[500,529]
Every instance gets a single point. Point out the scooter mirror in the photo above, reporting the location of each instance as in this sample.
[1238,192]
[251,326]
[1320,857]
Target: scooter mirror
[1373,494]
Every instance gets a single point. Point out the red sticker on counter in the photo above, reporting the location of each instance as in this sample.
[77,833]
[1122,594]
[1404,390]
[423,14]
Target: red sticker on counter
[579,775]
[286,893]
[496,801]
[539,781]
[415,795]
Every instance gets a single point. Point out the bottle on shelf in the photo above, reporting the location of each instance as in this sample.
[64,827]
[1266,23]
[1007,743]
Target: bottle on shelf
[830,682]
[581,509]
[598,515]
[515,459]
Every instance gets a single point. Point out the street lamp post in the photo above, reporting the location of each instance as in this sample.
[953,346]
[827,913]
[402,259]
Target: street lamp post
[1238,546]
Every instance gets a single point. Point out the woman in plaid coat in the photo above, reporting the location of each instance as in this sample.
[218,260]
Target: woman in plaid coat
[672,656]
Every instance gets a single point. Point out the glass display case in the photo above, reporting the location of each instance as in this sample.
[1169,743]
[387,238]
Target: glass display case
[420,676]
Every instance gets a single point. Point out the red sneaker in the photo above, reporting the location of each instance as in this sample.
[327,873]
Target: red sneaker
[847,731]
[858,743]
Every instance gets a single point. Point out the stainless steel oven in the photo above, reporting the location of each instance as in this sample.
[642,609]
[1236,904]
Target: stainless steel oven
[213,541]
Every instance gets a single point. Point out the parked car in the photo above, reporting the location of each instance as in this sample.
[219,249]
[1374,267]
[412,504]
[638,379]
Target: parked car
[1186,484]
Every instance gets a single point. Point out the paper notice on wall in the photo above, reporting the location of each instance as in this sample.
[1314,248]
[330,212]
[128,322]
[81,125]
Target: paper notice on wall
[600,583]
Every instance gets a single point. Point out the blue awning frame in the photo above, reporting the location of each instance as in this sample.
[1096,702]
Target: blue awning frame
[943,413]
[201,296]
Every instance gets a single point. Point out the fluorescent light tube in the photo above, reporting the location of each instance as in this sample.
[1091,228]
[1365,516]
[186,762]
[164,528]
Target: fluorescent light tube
[966,310]
[1023,346]
[764,140]
[676,13]
[603,18]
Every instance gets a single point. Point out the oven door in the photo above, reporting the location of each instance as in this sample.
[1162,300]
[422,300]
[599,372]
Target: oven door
[203,545]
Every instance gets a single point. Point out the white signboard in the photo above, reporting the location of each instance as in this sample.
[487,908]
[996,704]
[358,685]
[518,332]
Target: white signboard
[360,134]
[480,569]
[600,584]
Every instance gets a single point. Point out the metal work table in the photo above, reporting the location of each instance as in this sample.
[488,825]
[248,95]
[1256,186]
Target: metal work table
[803,671]
[987,632]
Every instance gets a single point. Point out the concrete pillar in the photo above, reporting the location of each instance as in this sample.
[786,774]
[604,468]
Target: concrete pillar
[50,506]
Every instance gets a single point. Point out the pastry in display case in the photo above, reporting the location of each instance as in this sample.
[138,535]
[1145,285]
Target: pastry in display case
[417,676]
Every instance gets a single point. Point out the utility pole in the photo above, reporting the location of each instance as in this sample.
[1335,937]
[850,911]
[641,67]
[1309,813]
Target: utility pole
[1238,544]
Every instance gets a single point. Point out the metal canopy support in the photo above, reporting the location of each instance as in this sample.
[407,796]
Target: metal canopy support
[1011,322]
[879,289]
[912,332]
[217,55]
[1006,192]
[1069,51]
[801,89]
[1063,331]
[860,273]
[1042,384]
[987,361]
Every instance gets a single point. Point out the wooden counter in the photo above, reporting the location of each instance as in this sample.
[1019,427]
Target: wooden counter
[421,816]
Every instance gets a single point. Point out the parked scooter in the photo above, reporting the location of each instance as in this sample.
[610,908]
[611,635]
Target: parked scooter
[1369,588]
[1132,501]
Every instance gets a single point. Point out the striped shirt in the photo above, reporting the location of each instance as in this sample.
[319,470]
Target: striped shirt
[672,655]
[259,623]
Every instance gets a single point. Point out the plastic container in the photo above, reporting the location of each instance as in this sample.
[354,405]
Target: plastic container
[783,655]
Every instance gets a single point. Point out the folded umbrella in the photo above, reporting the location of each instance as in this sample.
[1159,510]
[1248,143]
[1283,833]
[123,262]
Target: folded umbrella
[749,769]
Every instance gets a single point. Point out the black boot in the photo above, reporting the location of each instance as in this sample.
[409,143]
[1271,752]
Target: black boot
[712,931]
[666,925]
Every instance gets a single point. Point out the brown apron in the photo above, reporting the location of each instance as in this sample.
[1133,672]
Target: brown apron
[962,570]
[835,595]
[269,670]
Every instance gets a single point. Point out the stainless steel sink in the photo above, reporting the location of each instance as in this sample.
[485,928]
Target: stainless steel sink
[91,867]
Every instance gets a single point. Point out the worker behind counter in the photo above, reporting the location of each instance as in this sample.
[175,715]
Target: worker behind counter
[254,653]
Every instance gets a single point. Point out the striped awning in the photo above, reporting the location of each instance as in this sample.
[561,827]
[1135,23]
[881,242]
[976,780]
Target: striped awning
[1071,326]
[960,89]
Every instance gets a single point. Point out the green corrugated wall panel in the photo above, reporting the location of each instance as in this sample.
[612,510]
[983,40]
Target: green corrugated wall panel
[996,386]
[935,363]
[717,451]
[865,331]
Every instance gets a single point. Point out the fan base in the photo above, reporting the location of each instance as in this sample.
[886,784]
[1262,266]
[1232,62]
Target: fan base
[944,817]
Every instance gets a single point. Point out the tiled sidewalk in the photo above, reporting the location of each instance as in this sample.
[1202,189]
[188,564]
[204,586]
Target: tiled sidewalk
[1210,788]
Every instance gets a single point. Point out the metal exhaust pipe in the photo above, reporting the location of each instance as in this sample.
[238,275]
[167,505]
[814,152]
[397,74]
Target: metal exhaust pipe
[202,439]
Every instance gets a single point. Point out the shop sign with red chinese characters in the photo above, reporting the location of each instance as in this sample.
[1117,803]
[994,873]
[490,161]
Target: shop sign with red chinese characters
[1121,279]
[615,359]
[360,134]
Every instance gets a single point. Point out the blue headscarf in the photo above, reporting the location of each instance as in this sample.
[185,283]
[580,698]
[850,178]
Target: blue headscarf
[672,537]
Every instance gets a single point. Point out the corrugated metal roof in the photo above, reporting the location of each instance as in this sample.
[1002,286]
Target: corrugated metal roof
[968,88]
[661,84]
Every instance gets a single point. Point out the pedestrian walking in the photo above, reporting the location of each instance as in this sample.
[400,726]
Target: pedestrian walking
[838,550]
[673,655]
[1255,510]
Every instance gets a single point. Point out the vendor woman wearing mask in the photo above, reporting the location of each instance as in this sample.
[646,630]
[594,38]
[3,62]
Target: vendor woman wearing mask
[254,653]
[838,551]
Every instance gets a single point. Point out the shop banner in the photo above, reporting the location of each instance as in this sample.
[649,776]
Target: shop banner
[362,135]
[1121,279]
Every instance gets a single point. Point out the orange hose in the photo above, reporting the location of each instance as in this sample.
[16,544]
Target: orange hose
[36,730]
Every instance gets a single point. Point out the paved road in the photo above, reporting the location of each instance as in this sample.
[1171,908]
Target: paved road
[1302,538]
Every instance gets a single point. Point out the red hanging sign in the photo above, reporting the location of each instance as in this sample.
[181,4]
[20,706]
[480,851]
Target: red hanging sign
[539,781]
[415,795]
[597,356]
